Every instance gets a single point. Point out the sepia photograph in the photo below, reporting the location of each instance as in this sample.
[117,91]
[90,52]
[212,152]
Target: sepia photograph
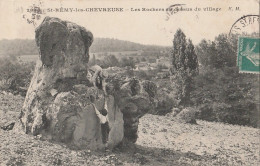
[129,82]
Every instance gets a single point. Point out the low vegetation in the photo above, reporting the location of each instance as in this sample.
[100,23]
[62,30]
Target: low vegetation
[220,92]
[15,76]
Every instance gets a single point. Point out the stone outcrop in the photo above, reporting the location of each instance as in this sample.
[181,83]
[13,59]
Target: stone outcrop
[60,100]
[133,98]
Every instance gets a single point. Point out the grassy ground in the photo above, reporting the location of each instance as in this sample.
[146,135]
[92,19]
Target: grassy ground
[161,142]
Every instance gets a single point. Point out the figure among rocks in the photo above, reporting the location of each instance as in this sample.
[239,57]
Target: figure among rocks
[98,78]
[68,101]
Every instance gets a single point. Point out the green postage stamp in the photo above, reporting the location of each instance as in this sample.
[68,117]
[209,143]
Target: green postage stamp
[248,57]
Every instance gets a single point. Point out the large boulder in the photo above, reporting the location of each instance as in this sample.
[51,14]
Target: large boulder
[62,101]
[60,98]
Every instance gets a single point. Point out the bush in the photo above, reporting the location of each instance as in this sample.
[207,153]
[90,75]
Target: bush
[127,62]
[15,76]
[165,103]
[141,75]
[224,95]
[187,115]
[220,92]
[164,106]
[108,61]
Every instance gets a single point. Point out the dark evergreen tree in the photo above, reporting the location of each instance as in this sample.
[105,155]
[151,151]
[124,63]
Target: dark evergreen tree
[184,68]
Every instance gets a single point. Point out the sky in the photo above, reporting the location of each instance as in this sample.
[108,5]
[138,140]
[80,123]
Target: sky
[145,27]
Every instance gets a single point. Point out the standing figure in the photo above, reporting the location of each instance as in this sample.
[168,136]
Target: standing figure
[98,77]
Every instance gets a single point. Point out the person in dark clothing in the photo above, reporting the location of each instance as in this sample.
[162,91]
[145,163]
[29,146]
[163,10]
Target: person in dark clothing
[103,117]
[98,77]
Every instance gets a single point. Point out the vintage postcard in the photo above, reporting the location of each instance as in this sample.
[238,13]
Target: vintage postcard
[133,82]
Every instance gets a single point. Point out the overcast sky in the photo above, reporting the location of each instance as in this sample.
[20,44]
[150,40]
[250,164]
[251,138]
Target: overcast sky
[142,27]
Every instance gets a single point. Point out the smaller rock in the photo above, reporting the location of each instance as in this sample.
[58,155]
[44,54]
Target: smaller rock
[175,111]
[144,130]
[8,126]
[163,130]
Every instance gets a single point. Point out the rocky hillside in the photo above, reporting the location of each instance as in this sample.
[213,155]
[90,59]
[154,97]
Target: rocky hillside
[161,142]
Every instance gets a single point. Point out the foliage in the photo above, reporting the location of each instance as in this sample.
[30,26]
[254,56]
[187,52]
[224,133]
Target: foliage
[127,62]
[142,75]
[14,76]
[219,53]
[129,72]
[184,67]
[220,91]
[164,105]
[224,95]
[143,59]
[164,98]
[108,61]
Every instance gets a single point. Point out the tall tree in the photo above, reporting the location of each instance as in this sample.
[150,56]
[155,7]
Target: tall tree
[184,67]
[218,54]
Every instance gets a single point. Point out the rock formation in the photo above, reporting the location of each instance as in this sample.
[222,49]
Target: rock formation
[60,100]
[134,101]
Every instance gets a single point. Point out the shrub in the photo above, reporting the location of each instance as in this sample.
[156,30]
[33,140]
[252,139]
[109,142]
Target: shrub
[220,92]
[224,95]
[164,104]
[187,115]
[127,62]
[15,76]
[141,74]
